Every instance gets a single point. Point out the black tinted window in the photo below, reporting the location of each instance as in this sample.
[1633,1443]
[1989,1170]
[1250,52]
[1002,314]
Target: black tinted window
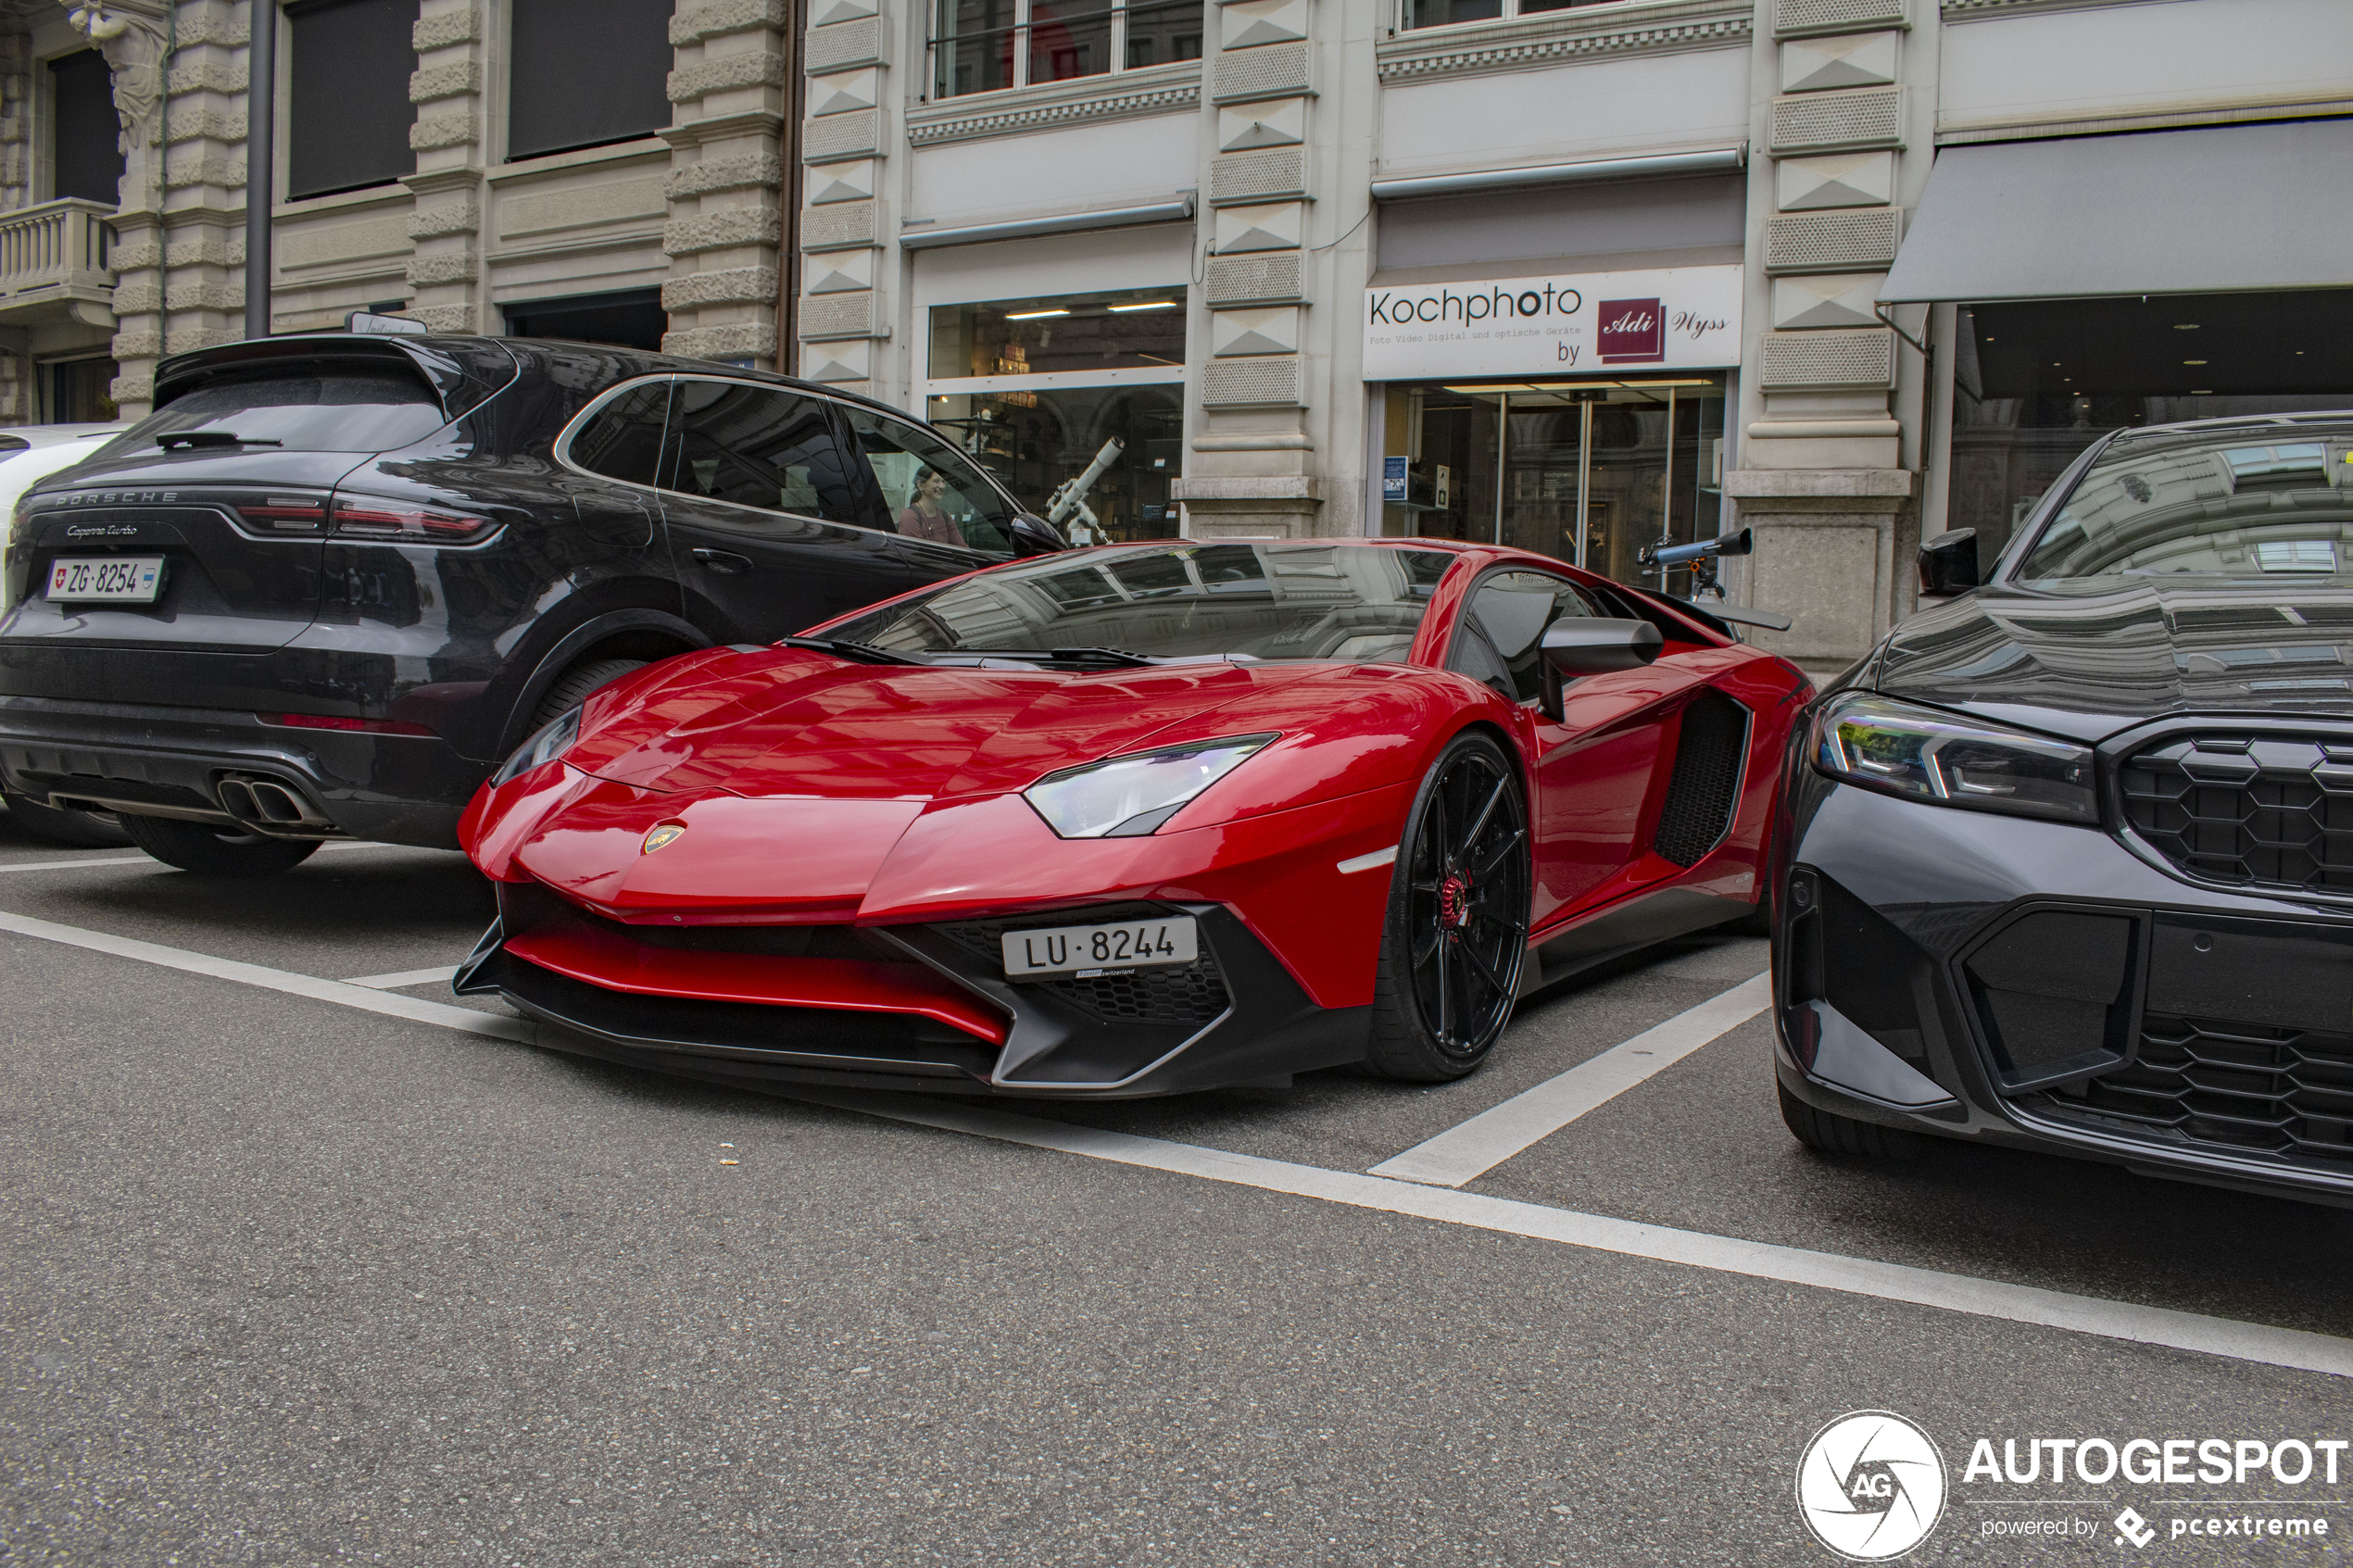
[339,410]
[85,149]
[1501,632]
[623,438]
[757,446]
[929,489]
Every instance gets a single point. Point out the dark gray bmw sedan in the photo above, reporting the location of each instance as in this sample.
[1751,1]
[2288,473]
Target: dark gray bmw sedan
[2067,863]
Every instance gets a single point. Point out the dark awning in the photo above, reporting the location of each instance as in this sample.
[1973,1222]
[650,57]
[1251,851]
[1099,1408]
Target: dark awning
[2213,210]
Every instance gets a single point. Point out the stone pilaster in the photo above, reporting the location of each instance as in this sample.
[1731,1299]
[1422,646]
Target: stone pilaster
[848,229]
[1822,470]
[445,266]
[1250,471]
[16,191]
[730,89]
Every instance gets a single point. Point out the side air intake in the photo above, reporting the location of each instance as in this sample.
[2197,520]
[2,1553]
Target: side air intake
[1706,781]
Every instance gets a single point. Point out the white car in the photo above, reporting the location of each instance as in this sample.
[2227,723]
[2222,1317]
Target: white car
[28,453]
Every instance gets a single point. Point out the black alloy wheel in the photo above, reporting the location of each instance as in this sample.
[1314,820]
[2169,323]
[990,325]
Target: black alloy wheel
[1457,930]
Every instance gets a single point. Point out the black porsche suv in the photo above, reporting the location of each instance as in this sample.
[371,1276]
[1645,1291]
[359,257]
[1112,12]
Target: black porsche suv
[334,579]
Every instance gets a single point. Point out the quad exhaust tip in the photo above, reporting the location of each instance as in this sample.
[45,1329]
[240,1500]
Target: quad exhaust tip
[268,802]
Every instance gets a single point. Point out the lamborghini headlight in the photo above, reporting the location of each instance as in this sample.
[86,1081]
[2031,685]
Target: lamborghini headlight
[550,743]
[1950,760]
[1129,795]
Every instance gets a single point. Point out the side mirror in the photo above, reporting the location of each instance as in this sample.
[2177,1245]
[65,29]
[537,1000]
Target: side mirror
[1948,564]
[1035,537]
[1579,646]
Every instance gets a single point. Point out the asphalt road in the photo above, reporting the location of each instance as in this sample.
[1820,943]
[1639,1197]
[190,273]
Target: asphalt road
[285,1281]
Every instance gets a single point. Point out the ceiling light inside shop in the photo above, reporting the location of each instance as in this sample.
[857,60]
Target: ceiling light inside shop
[2193,361]
[1032,315]
[2185,326]
[2201,392]
[1153,304]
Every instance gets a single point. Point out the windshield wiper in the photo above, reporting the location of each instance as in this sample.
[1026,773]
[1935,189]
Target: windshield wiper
[858,653]
[183,440]
[1116,657]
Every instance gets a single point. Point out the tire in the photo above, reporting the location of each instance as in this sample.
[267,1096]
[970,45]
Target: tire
[1457,928]
[1827,1133]
[212,851]
[1759,921]
[574,685]
[82,830]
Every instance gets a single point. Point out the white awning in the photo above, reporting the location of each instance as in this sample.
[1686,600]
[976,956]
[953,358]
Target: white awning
[2215,211]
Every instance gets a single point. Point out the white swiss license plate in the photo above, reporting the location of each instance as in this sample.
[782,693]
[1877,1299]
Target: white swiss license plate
[120,579]
[1083,949]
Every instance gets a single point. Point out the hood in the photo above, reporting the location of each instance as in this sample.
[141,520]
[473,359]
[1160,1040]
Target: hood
[786,722]
[2120,651]
[792,776]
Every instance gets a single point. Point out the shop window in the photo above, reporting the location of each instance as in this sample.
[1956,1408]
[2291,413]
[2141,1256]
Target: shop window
[85,137]
[1441,13]
[585,73]
[982,46]
[1024,337]
[347,109]
[2036,382]
[1584,472]
[628,318]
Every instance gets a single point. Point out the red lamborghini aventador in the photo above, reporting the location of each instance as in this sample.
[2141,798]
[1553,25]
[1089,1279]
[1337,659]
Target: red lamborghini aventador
[1133,821]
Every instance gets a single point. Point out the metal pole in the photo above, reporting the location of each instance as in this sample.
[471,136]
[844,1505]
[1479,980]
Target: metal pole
[1667,490]
[261,132]
[1502,433]
[1584,471]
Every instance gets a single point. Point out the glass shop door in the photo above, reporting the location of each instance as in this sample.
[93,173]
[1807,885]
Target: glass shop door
[1587,472]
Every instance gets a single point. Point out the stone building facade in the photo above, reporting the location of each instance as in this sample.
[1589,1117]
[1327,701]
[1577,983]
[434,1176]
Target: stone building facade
[996,200]
[679,223]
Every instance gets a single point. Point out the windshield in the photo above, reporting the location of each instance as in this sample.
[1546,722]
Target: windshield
[1359,603]
[2247,500]
[342,410]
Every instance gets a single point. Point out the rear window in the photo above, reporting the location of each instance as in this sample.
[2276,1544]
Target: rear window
[343,410]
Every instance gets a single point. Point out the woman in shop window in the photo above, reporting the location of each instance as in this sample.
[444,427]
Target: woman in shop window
[924,518]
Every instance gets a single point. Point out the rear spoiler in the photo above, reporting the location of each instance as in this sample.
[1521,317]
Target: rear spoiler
[462,372]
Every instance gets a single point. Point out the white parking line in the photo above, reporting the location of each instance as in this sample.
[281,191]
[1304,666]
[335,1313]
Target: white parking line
[1855,1276]
[1756,1260]
[154,864]
[415,1009]
[1471,1149]
[405,977]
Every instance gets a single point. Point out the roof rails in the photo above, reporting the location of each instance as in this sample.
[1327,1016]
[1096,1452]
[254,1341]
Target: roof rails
[2318,416]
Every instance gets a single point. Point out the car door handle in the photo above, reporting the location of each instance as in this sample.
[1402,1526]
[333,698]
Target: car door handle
[726,562]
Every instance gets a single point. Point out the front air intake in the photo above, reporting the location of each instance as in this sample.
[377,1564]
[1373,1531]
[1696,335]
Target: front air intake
[1706,781]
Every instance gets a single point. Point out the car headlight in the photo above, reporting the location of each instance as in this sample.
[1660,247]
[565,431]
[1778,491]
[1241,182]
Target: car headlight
[550,743]
[1949,760]
[1128,797]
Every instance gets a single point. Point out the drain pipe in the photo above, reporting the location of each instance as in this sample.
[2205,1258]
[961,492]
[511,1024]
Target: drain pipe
[261,135]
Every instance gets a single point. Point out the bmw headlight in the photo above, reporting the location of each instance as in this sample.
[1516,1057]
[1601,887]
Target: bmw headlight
[1949,760]
[1128,797]
[550,743]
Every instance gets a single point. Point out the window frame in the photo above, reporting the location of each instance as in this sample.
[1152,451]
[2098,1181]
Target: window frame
[839,411]
[1509,10]
[1019,30]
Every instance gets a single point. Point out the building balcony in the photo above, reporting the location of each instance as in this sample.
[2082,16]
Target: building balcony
[53,264]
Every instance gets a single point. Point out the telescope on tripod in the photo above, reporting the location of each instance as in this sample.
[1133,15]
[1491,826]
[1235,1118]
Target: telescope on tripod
[1700,560]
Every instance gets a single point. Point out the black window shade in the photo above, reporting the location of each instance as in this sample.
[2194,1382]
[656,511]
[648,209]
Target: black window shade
[85,148]
[586,72]
[347,109]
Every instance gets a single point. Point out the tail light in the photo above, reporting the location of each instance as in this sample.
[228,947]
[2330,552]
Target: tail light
[409,524]
[281,514]
[339,722]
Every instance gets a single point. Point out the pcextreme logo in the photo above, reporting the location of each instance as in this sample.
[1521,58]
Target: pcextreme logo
[1870,1485]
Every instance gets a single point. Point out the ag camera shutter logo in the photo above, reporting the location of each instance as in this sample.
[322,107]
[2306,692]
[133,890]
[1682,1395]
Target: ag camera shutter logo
[1870,1485]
